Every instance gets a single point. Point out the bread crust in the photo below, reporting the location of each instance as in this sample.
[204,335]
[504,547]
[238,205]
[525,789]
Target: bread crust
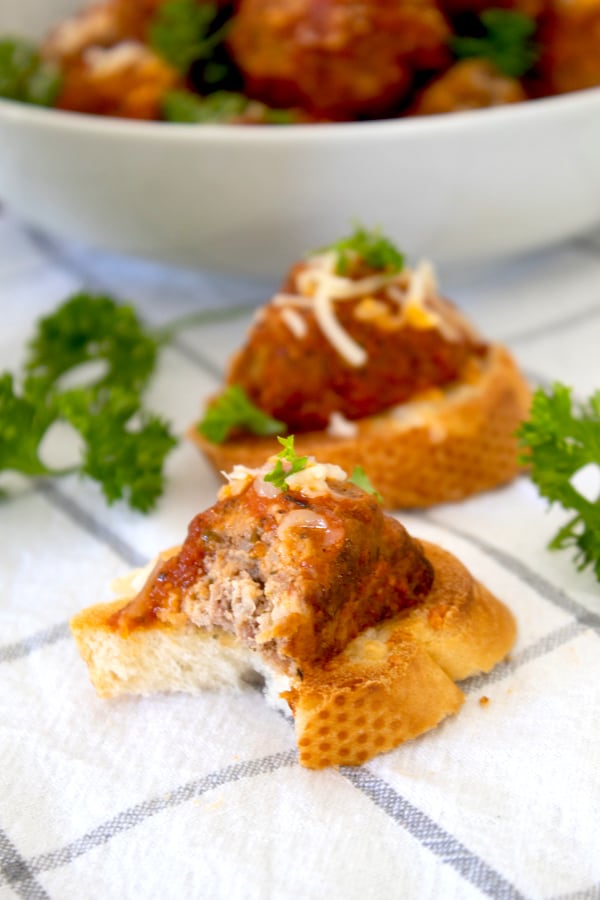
[422,453]
[390,684]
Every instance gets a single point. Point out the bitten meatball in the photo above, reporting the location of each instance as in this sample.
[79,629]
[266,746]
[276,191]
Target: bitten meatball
[336,58]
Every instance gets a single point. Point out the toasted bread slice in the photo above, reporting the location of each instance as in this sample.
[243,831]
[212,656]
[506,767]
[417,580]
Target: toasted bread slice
[452,443]
[391,683]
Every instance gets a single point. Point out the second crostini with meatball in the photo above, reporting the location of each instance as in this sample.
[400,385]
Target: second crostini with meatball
[362,359]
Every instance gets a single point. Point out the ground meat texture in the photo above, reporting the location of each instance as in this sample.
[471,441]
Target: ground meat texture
[296,578]
[303,380]
[336,58]
[469,84]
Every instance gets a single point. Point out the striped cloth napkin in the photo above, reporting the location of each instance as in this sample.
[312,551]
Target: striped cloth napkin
[180,797]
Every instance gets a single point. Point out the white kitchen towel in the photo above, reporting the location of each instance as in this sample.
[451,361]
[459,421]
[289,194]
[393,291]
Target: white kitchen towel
[179,797]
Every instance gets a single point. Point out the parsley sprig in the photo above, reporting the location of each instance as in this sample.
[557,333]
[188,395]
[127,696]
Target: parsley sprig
[124,445]
[369,247]
[560,438]
[287,463]
[507,42]
[88,366]
[360,478]
[232,410]
[24,76]
[183,32]
[220,106]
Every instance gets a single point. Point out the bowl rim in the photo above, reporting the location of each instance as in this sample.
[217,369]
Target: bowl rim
[431,126]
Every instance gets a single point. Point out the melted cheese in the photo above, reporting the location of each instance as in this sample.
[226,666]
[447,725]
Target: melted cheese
[320,288]
[311,481]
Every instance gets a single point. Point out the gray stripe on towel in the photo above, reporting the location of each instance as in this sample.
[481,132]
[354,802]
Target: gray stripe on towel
[139,813]
[91,524]
[15,872]
[513,564]
[450,850]
[12,652]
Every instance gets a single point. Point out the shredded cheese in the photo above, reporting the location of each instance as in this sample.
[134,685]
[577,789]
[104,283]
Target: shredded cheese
[95,24]
[106,61]
[338,337]
[320,288]
[312,480]
[294,322]
[340,426]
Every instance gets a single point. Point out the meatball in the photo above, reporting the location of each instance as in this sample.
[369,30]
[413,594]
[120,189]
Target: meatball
[570,38]
[99,25]
[94,26]
[126,80]
[300,377]
[469,84]
[338,59]
[292,574]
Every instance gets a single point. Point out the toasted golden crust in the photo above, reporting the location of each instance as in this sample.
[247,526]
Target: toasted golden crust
[391,683]
[396,681]
[462,626]
[425,452]
[369,699]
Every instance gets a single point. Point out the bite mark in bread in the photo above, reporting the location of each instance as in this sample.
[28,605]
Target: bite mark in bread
[384,678]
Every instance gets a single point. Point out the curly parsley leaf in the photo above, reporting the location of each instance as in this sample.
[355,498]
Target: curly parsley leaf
[288,463]
[24,76]
[182,31]
[370,248]
[232,410]
[125,446]
[360,478]
[560,439]
[188,108]
[89,328]
[220,106]
[25,418]
[507,42]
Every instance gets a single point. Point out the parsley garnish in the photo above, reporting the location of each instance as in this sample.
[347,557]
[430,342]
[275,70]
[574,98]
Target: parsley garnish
[220,106]
[24,76]
[233,409]
[288,463]
[360,478]
[369,247]
[507,42]
[561,437]
[124,446]
[24,420]
[180,32]
[93,328]
[189,108]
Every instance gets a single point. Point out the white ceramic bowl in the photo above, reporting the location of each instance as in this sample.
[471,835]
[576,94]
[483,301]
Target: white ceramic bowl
[460,189]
